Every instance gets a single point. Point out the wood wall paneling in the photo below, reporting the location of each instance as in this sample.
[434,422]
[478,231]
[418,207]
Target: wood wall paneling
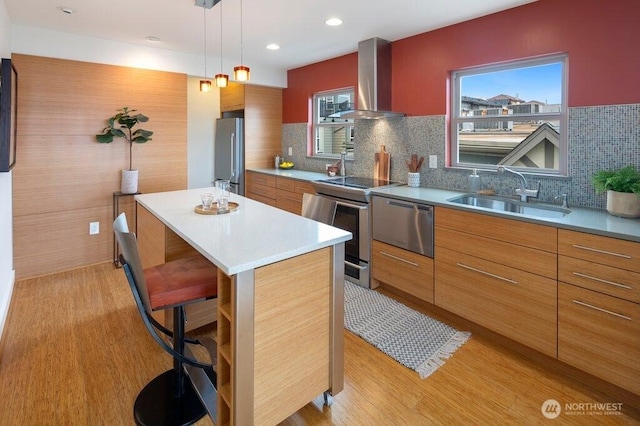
[63,179]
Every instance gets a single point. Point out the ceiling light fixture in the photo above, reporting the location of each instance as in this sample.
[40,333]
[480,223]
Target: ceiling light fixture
[222,79]
[205,85]
[273,46]
[241,72]
[152,39]
[333,22]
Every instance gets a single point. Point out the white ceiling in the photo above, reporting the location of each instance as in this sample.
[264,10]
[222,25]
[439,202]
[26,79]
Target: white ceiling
[296,25]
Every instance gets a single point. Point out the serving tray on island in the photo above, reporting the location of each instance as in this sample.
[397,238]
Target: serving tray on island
[214,208]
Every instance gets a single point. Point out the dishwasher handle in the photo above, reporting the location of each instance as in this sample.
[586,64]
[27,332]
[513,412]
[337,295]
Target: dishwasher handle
[410,205]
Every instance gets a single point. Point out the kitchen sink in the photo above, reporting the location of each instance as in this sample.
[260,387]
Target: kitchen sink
[509,205]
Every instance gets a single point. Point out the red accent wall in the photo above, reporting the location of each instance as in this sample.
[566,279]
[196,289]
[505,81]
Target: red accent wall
[601,38]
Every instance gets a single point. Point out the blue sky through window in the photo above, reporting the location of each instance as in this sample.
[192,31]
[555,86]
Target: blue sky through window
[538,83]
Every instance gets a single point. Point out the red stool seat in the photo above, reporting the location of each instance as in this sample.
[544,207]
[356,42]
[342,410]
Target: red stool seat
[181,281]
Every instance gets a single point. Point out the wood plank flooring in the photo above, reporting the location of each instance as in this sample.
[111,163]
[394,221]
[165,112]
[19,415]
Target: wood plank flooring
[75,352]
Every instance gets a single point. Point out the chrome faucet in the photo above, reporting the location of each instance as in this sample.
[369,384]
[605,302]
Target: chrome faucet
[343,168]
[563,197]
[522,192]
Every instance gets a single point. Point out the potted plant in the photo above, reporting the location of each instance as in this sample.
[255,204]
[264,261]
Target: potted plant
[121,125]
[623,190]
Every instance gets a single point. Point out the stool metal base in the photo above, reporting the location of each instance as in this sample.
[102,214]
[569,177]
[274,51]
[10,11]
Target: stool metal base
[157,405]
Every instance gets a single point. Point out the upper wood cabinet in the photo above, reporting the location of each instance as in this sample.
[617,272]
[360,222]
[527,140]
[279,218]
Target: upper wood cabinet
[232,97]
[262,110]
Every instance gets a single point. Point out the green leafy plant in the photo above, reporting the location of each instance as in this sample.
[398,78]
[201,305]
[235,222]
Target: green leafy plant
[121,126]
[626,179]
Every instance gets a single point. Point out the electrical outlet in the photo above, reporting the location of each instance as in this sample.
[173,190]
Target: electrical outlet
[94,228]
[433,161]
[290,150]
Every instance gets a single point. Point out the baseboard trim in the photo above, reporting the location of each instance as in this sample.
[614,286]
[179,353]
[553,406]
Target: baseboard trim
[5,301]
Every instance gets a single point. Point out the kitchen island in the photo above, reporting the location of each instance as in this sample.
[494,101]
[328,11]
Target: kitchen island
[279,305]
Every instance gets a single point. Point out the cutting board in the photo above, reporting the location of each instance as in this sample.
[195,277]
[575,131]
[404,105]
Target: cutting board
[382,164]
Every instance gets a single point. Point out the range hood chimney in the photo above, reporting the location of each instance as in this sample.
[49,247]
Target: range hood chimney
[374,81]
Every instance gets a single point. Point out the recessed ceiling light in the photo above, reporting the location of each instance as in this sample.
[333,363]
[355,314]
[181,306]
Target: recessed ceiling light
[152,39]
[332,22]
[65,9]
[273,46]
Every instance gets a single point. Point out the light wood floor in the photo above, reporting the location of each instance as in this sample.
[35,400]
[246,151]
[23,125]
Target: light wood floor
[75,352]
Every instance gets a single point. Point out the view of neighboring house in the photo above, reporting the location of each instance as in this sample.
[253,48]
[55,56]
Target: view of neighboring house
[505,141]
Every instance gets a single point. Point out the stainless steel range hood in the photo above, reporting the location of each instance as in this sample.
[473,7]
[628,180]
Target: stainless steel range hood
[374,81]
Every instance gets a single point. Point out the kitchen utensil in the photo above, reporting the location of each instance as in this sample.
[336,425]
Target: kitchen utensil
[382,164]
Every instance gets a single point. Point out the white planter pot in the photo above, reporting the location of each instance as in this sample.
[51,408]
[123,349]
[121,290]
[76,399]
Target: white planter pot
[413,179]
[623,204]
[129,183]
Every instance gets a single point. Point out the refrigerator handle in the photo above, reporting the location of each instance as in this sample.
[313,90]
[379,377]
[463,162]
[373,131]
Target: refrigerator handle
[233,153]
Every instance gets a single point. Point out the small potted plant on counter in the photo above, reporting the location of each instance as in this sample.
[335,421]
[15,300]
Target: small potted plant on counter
[623,190]
[121,126]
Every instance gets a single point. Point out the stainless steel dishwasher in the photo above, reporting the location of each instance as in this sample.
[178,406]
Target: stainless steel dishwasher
[404,224]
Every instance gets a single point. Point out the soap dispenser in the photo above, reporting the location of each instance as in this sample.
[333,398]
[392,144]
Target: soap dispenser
[474,181]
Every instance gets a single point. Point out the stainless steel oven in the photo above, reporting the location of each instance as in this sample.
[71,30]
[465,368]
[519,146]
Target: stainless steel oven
[354,217]
[353,214]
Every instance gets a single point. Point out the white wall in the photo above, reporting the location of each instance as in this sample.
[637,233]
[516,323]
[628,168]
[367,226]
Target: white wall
[7,274]
[202,111]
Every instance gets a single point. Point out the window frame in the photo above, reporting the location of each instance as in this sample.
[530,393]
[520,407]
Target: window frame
[561,116]
[315,123]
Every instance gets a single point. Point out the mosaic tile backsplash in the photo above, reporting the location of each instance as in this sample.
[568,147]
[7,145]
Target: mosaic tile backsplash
[600,137]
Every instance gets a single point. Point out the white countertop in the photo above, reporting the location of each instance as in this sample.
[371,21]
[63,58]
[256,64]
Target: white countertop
[252,236]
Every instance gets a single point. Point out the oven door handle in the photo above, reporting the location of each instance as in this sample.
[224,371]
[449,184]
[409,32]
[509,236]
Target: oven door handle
[353,206]
[353,265]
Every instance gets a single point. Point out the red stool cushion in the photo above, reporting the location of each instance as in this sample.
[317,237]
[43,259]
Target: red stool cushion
[181,281]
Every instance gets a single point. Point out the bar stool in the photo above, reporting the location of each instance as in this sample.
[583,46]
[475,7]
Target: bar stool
[170,398]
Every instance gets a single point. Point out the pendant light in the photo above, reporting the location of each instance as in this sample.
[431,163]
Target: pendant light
[241,73]
[205,85]
[222,79]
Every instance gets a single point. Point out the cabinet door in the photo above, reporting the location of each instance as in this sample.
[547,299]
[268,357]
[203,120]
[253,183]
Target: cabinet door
[261,187]
[604,250]
[600,334]
[402,269]
[232,97]
[509,301]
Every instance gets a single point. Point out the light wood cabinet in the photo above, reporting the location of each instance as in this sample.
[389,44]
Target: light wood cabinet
[261,108]
[278,191]
[599,306]
[289,194]
[232,97]
[261,187]
[499,273]
[402,269]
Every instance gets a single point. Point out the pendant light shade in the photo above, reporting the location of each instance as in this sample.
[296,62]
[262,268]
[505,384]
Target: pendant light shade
[241,72]
[205,86]
[222,80]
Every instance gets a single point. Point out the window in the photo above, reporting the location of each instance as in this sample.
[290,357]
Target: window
[332,135]
[511,114]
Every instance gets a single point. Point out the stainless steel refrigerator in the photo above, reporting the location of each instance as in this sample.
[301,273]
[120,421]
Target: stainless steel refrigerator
[229,152]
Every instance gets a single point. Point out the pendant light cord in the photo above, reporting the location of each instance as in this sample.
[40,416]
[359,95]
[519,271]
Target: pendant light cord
[204,20]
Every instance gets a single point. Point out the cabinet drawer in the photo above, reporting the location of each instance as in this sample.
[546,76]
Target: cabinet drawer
[595,248]
[261,179]
[514,303]
[286,184]
[402,269]
[262,199]
[512,231]
[600,335]
[304,187]
[260,190]
[516,256]
[605,279]
[289,201]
